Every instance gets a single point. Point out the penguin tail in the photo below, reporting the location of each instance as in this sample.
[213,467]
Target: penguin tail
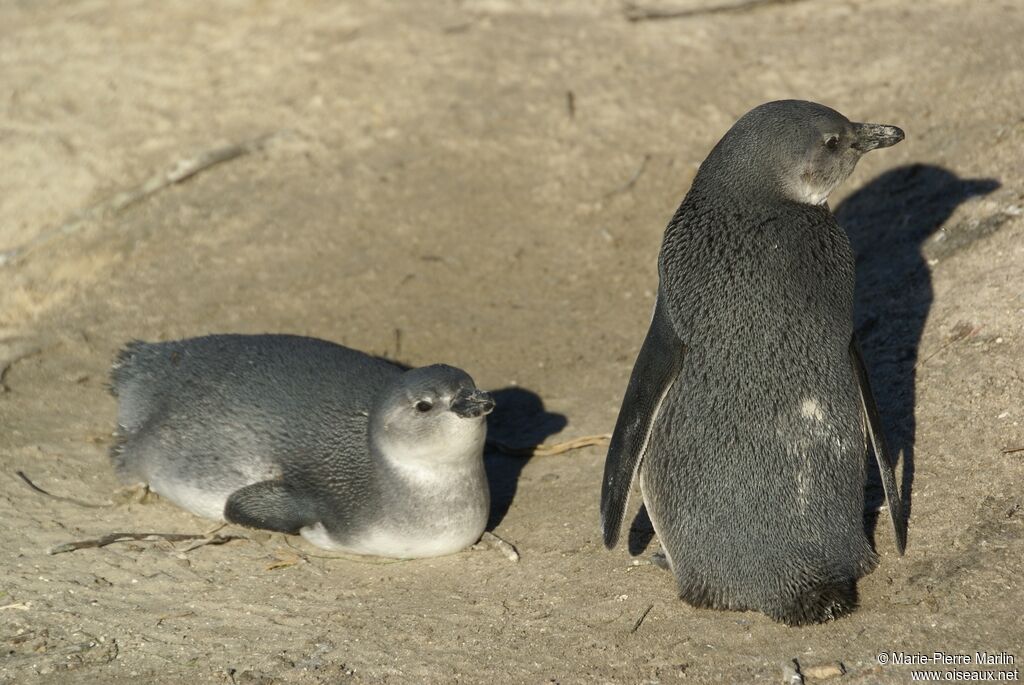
[117,454]
[132,412]
[819,603]
[121,369]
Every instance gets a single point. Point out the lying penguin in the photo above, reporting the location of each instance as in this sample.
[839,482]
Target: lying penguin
[300,435]
[748,408]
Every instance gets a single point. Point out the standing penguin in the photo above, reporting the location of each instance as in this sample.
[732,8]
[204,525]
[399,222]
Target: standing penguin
[747,411]
[300,435]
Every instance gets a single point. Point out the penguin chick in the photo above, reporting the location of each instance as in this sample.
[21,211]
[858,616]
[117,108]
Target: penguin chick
[300,435]
[748,408]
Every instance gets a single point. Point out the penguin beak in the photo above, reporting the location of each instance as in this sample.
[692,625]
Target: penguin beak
[873,136]
[471,404]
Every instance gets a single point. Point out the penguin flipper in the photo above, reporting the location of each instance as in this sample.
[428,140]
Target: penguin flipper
[885,466]
[271,505]
[656,368]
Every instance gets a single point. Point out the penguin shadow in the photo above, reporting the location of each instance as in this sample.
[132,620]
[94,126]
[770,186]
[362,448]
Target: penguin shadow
[519,419]
[889,222]
[641,532]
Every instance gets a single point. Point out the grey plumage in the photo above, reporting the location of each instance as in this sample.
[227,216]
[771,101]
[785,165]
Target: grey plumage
[745,416]
[304,436]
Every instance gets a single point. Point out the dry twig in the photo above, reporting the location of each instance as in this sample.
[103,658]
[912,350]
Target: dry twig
[549,450]
[69,500]
[182,170]
[960,332]
[13,351]
[639,621]
[142,537]
[637,13]
[633,179]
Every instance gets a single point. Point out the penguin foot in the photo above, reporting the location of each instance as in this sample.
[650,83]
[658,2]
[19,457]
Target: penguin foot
[491,541]
[660,559]
[137,493]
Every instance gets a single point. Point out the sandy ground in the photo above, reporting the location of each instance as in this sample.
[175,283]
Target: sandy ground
[484,183]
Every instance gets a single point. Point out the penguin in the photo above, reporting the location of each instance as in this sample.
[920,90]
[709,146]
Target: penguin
[300,435]
[748,410]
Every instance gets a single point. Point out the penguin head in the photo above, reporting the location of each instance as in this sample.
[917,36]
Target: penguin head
[792,149]
[431,414]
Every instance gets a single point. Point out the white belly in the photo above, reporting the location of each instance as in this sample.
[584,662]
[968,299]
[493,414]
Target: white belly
[397,544]
[202,502]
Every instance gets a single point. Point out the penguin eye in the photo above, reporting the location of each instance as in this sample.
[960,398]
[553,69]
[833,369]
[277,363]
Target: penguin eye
[832,143]
[424,406]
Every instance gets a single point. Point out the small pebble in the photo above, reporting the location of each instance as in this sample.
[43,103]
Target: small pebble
[824,672]
[791,673]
